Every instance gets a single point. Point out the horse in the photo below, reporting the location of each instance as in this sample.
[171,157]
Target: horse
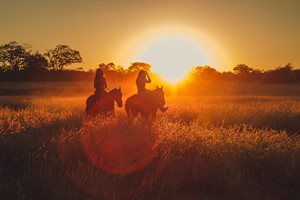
[104,105]
[146,104]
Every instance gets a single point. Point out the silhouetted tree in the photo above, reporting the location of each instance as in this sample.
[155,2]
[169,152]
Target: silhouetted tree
[62,56]
[18,63]
[35,62]
[246,73]
[242,69]
[256,75]
[137,66]
[283,74]
[205,73]
[111,68]
[228,76]
[13,56]
[113,71]
[297,74]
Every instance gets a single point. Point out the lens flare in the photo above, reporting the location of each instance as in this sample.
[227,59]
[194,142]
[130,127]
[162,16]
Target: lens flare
[106,151]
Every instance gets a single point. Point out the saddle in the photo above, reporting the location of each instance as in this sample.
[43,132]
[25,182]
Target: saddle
[100,94]
[144,94]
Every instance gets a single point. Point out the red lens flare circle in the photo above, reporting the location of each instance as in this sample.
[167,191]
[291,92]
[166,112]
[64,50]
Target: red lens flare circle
[119,150]
[107,152]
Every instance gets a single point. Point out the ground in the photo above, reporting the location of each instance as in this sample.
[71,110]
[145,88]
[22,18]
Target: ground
[232,141]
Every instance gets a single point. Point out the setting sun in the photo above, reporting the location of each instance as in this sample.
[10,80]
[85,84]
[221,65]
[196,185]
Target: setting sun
[173,56]
[173,49]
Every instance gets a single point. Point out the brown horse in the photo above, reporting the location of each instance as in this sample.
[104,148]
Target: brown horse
[146,104]
[104,105]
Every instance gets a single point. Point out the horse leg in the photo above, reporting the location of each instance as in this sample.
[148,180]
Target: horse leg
[128,112]
[133,116]
[131,113]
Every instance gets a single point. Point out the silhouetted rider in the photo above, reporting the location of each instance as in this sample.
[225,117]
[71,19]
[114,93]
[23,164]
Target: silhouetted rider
[99,83]
[141,81]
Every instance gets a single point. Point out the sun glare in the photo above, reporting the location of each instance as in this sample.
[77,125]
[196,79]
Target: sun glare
[173,50]
[172,56]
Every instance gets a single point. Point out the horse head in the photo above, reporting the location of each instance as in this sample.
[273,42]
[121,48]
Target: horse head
[117,94]
[160,95]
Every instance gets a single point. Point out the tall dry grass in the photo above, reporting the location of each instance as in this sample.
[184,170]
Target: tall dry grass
[225,147]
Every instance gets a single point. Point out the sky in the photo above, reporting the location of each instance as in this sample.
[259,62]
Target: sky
[263,34]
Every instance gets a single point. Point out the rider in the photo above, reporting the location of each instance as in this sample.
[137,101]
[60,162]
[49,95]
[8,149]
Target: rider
[99,83]
[141,81]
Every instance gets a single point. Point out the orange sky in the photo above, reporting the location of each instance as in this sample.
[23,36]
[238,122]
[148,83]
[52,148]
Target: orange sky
[261,33]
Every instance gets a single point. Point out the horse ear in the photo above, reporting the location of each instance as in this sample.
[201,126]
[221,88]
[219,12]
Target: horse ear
[156,87]
[120,89]
[162,87]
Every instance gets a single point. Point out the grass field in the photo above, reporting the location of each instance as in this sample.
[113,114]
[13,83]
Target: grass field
[231,142]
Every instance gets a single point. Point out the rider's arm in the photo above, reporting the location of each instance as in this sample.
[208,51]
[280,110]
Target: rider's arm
[148,78]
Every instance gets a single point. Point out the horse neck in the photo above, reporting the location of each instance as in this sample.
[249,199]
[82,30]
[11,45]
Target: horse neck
[113,94]
[154,97]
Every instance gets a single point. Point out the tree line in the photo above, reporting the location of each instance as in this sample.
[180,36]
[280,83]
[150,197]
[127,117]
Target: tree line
[244,73]
[18,62]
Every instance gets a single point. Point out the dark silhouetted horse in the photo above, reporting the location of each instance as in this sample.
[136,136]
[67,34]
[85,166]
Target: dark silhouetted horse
[104,105]
[146,104]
